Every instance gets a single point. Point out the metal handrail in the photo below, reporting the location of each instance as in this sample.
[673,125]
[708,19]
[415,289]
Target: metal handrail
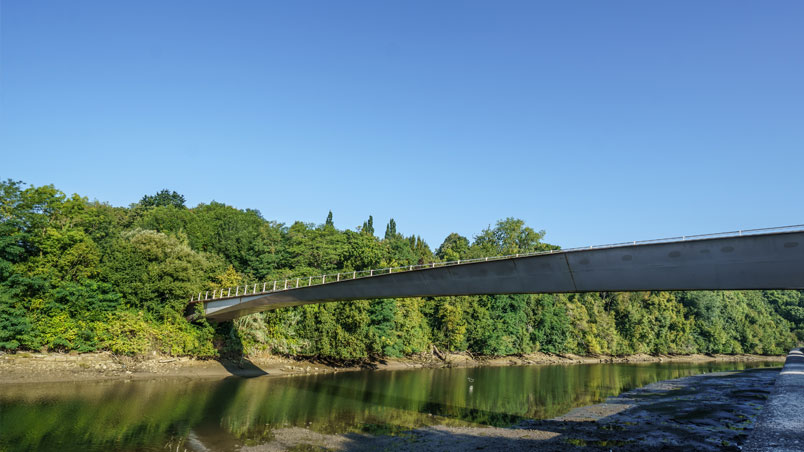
[296,282]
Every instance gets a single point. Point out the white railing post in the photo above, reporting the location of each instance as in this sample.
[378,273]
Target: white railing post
[229,293]
[354,274]
[274,289]
[371,272]
[339,277]
[263,286]
[310,281]
[297,283]
[323,279]
[286,285]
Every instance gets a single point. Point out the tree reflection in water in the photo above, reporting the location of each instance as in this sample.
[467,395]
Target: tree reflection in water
[223,414]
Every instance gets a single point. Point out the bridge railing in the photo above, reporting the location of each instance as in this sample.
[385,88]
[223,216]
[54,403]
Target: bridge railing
[297,282]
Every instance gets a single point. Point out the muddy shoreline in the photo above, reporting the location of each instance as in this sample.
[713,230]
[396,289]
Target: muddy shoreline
[57,367]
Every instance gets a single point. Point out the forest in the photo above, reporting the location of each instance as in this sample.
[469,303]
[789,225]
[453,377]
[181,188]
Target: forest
[80,275]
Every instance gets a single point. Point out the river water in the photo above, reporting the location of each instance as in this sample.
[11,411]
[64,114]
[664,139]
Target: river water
[187,414]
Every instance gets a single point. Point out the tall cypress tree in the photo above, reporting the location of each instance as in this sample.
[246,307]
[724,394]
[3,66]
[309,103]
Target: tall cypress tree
[390,230]
[368,226]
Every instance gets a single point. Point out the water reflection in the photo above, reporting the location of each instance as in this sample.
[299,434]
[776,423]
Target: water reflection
[224,414]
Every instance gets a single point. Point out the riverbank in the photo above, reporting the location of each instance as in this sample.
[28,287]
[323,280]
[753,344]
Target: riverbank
[55,367]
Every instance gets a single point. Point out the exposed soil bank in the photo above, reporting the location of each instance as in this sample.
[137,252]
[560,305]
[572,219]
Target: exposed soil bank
[54,367]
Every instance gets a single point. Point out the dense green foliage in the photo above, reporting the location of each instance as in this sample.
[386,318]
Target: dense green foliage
[82,275]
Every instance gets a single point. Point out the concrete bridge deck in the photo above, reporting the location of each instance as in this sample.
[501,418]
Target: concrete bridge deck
[745,260]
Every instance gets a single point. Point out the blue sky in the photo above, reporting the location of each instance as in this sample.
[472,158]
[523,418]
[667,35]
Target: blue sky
[596,121]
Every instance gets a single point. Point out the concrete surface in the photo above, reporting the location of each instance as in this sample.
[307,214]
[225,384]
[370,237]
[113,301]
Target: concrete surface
[780,425]
[761,261]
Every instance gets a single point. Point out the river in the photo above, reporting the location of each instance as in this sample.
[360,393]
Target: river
[228,414]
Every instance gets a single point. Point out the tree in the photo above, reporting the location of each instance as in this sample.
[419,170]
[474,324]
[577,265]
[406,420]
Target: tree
[454,247]
[157,272]
[382,341]
[509,236]
[163,198]
[242,237]
[329,220]
[313,249]
[790,305]
[390,230]
[551,325]
[362,251]
[13,234]
[450,321]
[368,226]
[15,326]
[500,325]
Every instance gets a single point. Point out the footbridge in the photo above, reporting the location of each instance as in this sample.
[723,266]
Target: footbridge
[770,258]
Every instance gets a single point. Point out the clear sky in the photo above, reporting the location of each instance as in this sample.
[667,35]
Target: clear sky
[596,121]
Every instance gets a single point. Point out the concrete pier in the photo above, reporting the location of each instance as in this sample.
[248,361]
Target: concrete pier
[780,425]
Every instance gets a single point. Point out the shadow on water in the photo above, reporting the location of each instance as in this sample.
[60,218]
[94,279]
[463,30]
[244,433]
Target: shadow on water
[232,355]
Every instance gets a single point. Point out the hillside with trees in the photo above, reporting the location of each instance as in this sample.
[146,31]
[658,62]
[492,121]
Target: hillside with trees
[84,275]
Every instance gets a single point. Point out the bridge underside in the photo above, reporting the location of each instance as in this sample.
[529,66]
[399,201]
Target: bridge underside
[762,261]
